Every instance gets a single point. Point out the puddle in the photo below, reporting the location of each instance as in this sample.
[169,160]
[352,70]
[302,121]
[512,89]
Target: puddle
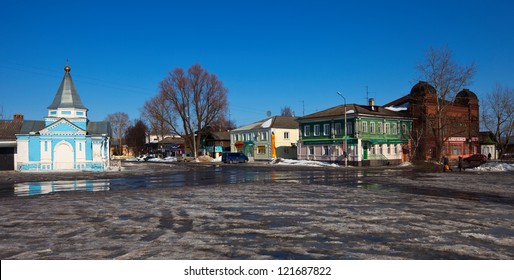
[501,232]
[39,188]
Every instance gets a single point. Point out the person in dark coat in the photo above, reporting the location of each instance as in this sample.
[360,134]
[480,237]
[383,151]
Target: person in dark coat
[460,164]
[446,164]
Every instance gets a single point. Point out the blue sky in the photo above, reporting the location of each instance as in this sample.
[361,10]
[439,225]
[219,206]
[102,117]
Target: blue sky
[269,54]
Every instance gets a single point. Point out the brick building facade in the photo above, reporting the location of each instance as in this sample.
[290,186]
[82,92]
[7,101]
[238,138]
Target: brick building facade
[458,127]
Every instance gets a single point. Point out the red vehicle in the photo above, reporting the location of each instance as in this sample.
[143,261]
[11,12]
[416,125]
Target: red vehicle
[477,158]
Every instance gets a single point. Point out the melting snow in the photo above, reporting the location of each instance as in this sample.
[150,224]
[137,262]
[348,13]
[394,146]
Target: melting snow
[495,167]
[396,109]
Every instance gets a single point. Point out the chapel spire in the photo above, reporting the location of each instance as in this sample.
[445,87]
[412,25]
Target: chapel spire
[67,96]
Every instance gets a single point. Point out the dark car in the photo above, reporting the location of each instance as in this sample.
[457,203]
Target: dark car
[233,157]
[477,158]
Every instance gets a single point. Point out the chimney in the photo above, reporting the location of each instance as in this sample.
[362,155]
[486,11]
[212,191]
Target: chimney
[372,103]
[18,117]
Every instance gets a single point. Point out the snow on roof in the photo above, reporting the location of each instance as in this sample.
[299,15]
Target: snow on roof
[396,109]
[267,124]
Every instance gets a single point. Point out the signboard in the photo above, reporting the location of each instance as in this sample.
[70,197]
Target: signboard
[457,139]
[217,149]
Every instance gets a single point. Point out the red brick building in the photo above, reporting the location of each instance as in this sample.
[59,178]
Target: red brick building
[457,128]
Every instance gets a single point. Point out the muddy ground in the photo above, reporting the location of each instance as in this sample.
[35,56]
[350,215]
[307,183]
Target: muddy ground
[390,214]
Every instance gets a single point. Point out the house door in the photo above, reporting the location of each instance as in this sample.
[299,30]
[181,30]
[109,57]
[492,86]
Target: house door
[63,156]
[365,152]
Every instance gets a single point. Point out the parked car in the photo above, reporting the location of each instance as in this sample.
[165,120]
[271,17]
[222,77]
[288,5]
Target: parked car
[477,158]
[234,157]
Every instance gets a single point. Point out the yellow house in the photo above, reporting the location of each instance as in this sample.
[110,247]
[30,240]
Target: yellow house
[275,137]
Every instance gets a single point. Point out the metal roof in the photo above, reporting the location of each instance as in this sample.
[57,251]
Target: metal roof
[285,122]
[98,128]
[32,126]
[67,95]
[352,109]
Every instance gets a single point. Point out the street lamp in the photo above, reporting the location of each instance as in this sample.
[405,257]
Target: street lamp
[345,152]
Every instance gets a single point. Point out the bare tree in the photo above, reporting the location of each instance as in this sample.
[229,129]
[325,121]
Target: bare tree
[135,136]
[416,137]
[448,78]
[160,116]
[498,115]
[119,122]
[286,111]
[197,98]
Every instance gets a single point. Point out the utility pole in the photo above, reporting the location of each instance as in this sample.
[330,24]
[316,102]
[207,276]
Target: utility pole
[344,138]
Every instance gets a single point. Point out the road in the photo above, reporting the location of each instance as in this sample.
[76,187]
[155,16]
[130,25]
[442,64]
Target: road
[181,211]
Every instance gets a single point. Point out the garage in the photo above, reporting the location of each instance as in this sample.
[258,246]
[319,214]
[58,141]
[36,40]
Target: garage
[8,131]
[6,158]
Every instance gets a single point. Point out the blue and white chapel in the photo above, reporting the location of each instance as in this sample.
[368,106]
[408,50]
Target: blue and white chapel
[65,139]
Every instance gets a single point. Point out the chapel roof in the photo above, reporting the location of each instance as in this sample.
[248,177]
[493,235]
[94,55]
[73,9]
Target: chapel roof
[67,95]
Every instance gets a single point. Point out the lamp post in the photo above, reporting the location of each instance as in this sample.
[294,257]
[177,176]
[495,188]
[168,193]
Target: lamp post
[345,152]
[194,144]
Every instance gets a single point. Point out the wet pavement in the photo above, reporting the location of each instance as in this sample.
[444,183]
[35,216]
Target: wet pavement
[258,212]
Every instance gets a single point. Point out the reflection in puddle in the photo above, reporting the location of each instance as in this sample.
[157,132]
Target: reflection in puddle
[38,188]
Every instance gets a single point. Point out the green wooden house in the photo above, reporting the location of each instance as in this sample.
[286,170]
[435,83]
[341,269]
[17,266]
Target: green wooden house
[374,135]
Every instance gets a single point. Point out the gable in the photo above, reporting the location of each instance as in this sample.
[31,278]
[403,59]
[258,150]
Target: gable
[63,127]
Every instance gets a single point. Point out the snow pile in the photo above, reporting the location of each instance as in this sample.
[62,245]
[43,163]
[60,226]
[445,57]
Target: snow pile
[303,163]
[166,159]
[406,164]
[495,167]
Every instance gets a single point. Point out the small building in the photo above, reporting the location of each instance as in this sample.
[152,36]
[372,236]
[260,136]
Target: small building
[488,145]
[271,138]
[373,136]
[65,139]
[170,146]
[216,143]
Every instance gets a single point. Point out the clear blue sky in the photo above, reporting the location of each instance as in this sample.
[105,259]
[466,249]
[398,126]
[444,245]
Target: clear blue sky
[269,54]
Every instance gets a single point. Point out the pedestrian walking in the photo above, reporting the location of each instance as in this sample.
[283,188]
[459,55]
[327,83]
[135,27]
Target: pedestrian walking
[446,164]
[489,156]
[460,164]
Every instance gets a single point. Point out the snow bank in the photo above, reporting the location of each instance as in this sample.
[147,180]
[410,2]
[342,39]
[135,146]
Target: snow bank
[166,159]
[495,167]
[303,163]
